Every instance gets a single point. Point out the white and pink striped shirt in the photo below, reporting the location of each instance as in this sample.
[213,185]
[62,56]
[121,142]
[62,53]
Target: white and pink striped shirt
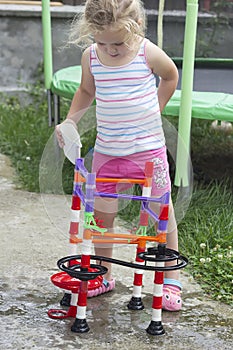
[127,108]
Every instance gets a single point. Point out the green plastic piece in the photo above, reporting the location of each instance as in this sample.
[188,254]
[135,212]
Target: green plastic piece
[141,231]
[66,81]
[205,105]
[89,222]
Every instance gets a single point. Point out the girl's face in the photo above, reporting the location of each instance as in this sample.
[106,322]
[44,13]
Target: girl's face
[112,44]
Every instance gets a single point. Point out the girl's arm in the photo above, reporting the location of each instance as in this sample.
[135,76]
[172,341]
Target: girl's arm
[85,94]
[83,97]
[165,68]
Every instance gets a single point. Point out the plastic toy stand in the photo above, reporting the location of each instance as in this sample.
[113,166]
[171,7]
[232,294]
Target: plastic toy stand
[79,275]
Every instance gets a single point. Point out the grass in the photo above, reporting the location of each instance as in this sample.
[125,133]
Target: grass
[23,134]
[206,235]
[206,232]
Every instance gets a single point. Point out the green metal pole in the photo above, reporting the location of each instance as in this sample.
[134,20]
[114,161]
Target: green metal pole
[185,114]
[47,43]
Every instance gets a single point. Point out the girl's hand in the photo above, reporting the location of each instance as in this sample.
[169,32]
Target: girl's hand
[58,133]
[59,136]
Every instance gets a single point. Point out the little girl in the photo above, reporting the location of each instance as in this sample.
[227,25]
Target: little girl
[118,71]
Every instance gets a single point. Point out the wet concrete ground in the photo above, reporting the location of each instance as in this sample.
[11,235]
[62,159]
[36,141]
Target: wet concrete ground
[33,236]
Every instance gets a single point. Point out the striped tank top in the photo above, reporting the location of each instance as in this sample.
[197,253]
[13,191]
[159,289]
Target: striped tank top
[127,108]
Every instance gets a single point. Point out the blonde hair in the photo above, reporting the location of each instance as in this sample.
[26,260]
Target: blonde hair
[100,14]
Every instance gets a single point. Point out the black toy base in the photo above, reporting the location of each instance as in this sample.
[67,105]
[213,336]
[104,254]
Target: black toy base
[155,328]
[135,304]
[80,326]
[65,301]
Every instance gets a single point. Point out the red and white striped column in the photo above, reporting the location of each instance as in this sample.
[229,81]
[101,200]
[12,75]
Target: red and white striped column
[74,223]
[68,298]
[80,324]
[156,327]
[136,301]
[74,231]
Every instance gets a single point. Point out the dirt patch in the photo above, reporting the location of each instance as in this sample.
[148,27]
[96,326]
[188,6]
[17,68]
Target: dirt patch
[6,169]
[215,166]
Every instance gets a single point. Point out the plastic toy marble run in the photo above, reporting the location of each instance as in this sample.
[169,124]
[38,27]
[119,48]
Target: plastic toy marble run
[79,275]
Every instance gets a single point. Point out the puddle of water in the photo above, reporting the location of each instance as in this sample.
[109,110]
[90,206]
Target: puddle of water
[25,324]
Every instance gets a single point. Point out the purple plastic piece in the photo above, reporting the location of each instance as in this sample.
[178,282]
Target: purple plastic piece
[79,166]
[152,214]
[78,192]
[91,179]
[90,192]
[89,208]
[145,205]
[165,198]
[162,226]
[127,196]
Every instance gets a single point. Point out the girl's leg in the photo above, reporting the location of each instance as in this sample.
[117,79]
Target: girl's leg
[172,287]
[106,210]
[172,236]
[172,241]
[172,300]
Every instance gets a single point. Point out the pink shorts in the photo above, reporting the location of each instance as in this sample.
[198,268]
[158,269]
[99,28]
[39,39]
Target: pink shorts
[132,166]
